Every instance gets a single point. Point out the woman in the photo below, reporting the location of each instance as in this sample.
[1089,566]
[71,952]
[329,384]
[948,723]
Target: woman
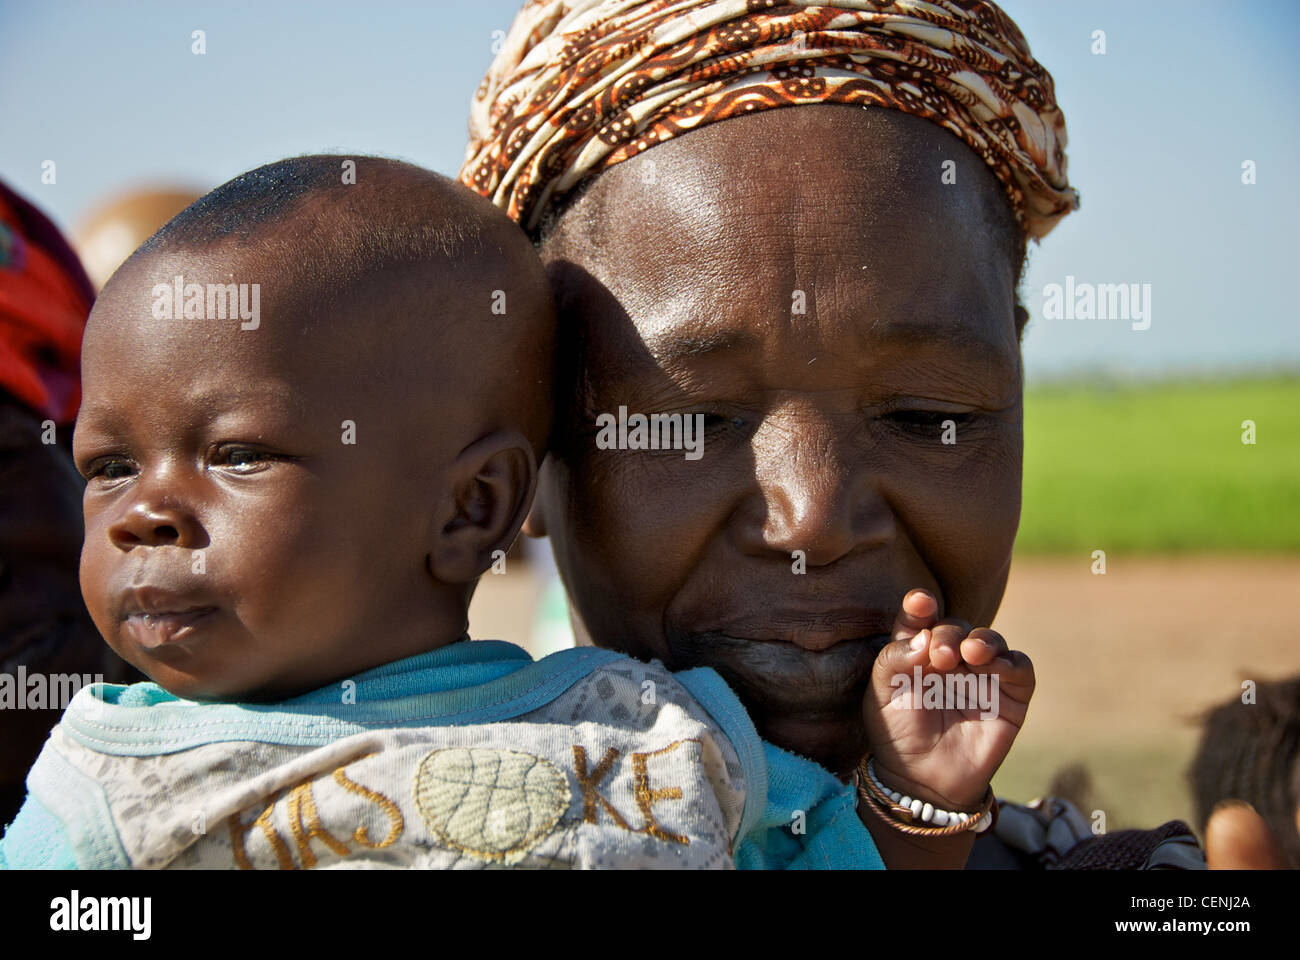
[833,289]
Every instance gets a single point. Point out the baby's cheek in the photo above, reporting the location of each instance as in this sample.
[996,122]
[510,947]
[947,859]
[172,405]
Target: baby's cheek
[93,572]
[301,574]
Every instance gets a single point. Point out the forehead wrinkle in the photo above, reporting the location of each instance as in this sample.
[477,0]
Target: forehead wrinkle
[668,343]
[882,174]
[738,248]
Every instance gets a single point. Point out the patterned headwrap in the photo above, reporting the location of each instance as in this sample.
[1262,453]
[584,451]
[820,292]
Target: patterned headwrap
[580,85]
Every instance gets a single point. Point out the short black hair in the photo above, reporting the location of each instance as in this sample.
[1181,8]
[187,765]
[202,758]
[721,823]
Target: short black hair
[254,204]
[557,211]
[397,234]
[252,200]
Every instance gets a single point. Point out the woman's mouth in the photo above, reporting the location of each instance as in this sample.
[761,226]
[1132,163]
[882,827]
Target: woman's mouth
[801,674]
[815,627]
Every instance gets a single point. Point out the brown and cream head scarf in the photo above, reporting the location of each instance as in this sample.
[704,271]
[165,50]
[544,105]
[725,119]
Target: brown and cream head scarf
[580,85]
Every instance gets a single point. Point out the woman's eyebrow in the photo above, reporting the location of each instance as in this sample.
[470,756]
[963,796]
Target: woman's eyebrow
[923,335]
[669,345]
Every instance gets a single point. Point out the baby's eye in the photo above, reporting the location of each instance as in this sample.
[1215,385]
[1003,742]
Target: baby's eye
[110,468]
[242,459]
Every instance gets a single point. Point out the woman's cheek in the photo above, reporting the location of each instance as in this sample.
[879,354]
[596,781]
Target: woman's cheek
[659,498]
[963,520]
[637,528]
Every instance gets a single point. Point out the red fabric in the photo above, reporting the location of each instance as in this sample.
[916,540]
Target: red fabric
[44,300]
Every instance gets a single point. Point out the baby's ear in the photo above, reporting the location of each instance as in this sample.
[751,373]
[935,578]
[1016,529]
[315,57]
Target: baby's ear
[490,487]
[535,522]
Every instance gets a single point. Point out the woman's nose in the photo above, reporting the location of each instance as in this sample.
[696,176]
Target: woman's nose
[817,496]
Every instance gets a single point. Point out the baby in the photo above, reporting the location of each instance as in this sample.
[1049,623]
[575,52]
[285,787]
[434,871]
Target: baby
[314,404]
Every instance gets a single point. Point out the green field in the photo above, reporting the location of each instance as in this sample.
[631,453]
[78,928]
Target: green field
[1162,468]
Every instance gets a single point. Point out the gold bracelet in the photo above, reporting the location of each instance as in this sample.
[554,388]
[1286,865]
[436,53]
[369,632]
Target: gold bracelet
[901,817]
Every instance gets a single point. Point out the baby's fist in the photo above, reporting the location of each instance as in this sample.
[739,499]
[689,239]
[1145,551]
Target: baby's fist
[944,705]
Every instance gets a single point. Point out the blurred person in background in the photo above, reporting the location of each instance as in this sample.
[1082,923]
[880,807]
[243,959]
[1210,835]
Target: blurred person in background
[111,233]
[1249,761]
[45,630]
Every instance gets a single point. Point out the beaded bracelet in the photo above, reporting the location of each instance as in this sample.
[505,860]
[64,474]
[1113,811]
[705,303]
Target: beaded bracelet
[900,811]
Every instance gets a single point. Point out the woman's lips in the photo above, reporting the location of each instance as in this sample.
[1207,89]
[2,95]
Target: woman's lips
[812,629]
[154,630]
[784,676]
[813,639]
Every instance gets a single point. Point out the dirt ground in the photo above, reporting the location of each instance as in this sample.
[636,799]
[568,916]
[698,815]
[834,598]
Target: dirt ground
[1125,661]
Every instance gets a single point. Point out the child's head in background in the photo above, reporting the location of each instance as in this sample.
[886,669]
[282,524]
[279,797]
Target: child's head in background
[1251,752]
[303,452]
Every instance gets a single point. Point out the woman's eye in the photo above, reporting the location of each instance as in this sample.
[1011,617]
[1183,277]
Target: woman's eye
[928,420]
[718,421]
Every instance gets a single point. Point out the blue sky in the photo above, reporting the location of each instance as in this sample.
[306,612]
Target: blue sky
[1159,127]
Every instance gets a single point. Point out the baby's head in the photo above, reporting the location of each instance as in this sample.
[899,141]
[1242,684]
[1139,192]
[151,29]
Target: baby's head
[313,409]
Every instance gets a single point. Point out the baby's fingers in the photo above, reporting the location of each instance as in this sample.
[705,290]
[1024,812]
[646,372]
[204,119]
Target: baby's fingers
[916,613]
[1015,674]
[946,641]
[982,645]
[1011,676]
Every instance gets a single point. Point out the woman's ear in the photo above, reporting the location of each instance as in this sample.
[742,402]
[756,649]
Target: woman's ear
[490,486]
[535,523]
[1022,320]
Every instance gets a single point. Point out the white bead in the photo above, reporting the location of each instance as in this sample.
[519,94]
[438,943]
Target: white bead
[895,796]
[916,808]
[927,812]
[984,823]
[963,817]
[940,818]
[905,802]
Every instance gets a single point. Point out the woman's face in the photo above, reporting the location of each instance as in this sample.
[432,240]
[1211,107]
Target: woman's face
[843,315]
